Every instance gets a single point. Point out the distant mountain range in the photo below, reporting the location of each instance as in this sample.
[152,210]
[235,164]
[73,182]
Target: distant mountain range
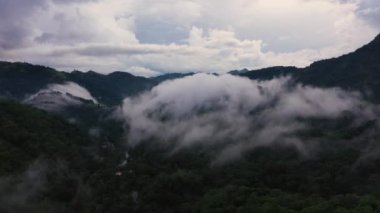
[359,71]
[81,158]
[19,80]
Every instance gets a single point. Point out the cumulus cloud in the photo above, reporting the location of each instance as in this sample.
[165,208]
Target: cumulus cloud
[14,25]
[144,72]
[232,115]
[182,36]
[58,96]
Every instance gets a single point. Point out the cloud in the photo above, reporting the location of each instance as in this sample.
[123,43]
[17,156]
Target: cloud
[370,10]
[14,25]
[233,115]
[182,36]
[73,1]
[144,72]
[17,190]
[58,96]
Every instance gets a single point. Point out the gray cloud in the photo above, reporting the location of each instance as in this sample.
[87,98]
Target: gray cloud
[182,36]
[370,10]
[73,1]
[15,27]
[234,115]
[146,32]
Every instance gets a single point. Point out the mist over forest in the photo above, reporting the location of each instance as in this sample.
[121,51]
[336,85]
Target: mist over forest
[189,106]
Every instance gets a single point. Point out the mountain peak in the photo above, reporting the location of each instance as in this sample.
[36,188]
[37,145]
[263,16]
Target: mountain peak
[377,38]
[373,46]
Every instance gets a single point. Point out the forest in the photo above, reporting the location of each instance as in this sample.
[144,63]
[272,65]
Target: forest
[280,139]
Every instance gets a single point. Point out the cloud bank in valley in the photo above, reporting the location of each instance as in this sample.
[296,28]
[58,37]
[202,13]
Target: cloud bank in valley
[58,96]
[16,191]
[150,37]
[233,114]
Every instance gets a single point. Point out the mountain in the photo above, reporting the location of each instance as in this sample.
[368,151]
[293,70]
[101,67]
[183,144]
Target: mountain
[20,80]
[48,165]
[169,76]
[17,80]
[359,70]
[110,89]
[43,158]
[266,73]
[85,163]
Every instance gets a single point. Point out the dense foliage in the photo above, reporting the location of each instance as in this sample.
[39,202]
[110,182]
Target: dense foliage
[83,163]
[17,80]
[82,174]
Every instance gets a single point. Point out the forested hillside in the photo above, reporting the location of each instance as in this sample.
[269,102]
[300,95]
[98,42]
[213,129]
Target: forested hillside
[288,145]
[21,80]
[49,165]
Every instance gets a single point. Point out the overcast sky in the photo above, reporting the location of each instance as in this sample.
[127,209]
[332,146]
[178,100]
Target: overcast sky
[148,37]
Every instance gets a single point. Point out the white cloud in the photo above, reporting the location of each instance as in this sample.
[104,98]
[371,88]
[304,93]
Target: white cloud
[183,36]
[235,114]
[142,71]
[58,96]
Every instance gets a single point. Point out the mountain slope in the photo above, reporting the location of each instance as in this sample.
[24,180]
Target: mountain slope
[45,167]
[113,88]
[359,70]
[20,80]
[30,133]
[267,73]
[340,176]
[17,80]
[43,160]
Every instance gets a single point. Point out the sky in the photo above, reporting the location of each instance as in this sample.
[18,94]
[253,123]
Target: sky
[151,37]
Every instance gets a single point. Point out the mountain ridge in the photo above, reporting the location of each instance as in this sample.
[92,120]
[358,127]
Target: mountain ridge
[87,164]
[357,70]
[19,80]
